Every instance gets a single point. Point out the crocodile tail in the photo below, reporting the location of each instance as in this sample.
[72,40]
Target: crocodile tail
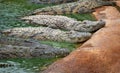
[52,1]
[45,11]
[58,9]
[5,65]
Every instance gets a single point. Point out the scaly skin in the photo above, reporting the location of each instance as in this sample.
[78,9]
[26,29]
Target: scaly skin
[52,1]
[5,40]
[46,33]
[82,6]
[65,23]
[11,47]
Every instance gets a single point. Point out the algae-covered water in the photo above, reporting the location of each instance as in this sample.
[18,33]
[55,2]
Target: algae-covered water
[32,65]
[13,69]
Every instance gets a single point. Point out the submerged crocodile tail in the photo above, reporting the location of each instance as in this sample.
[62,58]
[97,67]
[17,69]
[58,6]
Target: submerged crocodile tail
[4,65]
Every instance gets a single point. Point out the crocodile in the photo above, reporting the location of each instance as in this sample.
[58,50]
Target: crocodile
[65,23]
[46,33]
[51,1]
[12,47]
[82,6]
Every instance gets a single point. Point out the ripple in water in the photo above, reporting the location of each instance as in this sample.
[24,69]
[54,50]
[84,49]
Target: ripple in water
[15,68]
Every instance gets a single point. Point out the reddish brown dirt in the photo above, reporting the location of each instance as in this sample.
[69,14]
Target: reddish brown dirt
[100,54]
[118,3]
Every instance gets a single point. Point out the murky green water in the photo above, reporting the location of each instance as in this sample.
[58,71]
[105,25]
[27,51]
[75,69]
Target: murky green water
[32,65]
[13,69]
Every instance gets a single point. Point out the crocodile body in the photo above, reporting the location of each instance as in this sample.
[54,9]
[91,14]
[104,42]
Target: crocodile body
[46,33]
[82,6]
[5,40]
[51,1]
[65,23]
[42,51]
[11,47]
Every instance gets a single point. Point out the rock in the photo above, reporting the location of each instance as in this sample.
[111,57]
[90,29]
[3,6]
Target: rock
[105,10]
[65,23]
[118,3]
[46,33]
